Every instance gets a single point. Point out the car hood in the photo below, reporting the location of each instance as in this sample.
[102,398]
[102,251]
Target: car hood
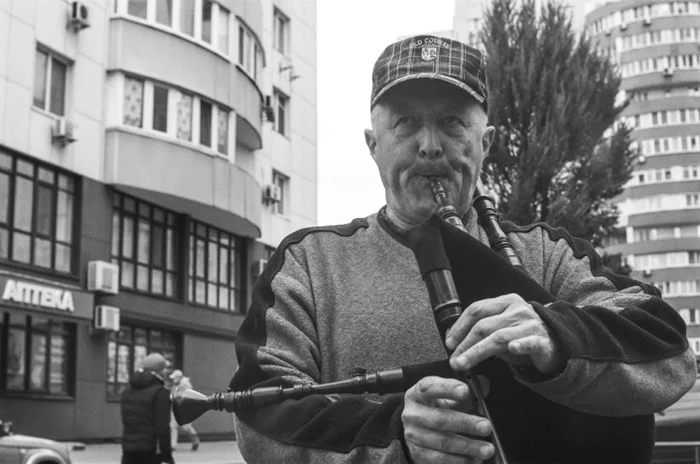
[26,441]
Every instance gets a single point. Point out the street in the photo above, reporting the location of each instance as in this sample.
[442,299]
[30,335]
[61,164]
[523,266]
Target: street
[210,452]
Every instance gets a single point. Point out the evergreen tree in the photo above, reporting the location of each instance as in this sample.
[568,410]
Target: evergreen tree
[553,96]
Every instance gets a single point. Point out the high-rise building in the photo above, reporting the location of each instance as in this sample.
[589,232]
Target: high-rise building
[469,14]
[152,154]
[655,44]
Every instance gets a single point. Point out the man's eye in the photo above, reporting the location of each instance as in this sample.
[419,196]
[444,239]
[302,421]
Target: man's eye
[451,120]
[403,120]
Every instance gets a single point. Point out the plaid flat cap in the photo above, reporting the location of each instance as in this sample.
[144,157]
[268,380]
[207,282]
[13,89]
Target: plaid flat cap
[430,57]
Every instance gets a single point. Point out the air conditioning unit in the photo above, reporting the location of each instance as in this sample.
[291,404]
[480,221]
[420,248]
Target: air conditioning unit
[103,277]
[269,110]
[272,193]
[642,159]
[668,72]
[63,132]
[608,31]
[79,16]
[647,272]
[259,267]
[623,26]
[647,21]
[106,318]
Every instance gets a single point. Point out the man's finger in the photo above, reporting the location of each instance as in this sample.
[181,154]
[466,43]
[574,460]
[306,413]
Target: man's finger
[494,344]
[473,314]
[450,443]
[429,389]
[427,455]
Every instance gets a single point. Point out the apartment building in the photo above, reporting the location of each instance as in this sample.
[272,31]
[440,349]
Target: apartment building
[655,45]
[152,155]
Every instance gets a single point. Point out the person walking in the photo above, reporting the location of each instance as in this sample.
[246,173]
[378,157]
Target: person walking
[145,405]
[181,383]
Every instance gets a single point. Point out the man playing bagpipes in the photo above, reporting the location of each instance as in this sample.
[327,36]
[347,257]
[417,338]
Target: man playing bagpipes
[577,358]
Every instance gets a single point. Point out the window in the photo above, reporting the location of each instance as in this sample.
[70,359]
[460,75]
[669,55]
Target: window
[205,115]
[281,181]
[216,267]
[138,8]
[160,108]
[281,32]
[36,214]
[222,117]
[184,117]
[250,54]
[50,83]
[40,356]
[127,348]
[133,102]
[223,29]
[282,108]
[164,12]
[187,17]
[206,20]
[145,241]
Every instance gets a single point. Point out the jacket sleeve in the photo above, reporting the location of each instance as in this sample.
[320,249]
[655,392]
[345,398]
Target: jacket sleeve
[277,345]
[161,409]
[626,348]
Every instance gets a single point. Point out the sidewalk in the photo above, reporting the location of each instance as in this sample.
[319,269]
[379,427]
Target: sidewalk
[210,452]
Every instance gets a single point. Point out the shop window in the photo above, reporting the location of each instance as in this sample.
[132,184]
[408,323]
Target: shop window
[216,264]
[127,348]
[40,356]
[145,241]
[36,214]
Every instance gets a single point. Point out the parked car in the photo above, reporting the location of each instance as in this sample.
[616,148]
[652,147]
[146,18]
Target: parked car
[23,449]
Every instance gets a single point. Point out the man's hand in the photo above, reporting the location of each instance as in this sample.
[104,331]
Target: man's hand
[437,426]
[507,327]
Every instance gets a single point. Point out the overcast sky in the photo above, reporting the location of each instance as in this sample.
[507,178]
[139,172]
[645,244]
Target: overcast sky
[351,35]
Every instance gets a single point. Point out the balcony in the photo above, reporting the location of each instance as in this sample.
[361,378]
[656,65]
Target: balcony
[205,186]
[655,246]
[680,216]
[156,53]
[656,79]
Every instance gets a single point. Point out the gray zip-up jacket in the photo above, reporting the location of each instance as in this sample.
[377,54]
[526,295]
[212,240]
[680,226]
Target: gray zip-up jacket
[336,298]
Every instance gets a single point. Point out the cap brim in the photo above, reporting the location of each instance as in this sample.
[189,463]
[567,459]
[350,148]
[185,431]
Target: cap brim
[440,77]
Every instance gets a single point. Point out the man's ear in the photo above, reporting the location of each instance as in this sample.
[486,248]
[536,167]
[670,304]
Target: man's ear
[371,141]
[487,139]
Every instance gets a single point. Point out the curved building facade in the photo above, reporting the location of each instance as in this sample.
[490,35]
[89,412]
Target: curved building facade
[152,156]
[655,44]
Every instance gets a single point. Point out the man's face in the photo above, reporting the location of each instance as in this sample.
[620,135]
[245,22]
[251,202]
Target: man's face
[424,130]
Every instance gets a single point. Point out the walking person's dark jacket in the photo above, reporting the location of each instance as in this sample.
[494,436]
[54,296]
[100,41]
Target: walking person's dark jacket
[146,414]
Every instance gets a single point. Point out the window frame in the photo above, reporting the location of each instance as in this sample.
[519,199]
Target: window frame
[282,181]
[282,104]
[56,327]
[178,25]
[70,188]
[235,286]
[114,388]
[51,59]
[170,224]
[281,32]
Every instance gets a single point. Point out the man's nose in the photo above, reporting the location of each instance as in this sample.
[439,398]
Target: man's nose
[430,142]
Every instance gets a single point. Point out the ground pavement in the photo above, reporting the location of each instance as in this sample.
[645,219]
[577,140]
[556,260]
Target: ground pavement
[210,452]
